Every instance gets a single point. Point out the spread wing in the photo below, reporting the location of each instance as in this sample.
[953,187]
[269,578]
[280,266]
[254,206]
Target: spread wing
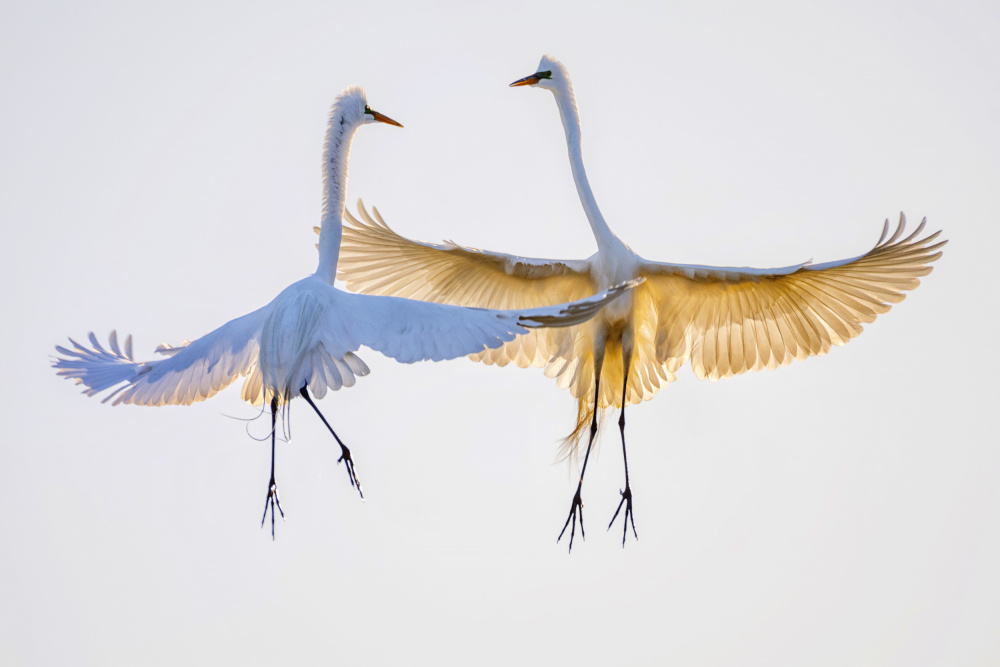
[374,259]
[313,333]
[409,330]
[734,320]
[191,372]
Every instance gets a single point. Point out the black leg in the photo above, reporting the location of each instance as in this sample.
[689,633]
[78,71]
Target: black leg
[345,455]
[577,505]
[272,488]
[627,493]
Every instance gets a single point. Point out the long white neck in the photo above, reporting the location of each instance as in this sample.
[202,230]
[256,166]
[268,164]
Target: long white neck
[566,102]
[337,148]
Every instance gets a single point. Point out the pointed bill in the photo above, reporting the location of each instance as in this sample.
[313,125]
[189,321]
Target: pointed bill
[526,81]
[382,118]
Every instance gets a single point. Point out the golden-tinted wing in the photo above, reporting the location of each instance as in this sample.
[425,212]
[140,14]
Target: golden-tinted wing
[374,259]
[734,320]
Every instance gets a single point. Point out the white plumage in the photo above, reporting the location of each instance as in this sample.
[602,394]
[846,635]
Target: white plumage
[724,320]
[307,336]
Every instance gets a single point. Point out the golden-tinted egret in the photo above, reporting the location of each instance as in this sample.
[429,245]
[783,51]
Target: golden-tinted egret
[724,320]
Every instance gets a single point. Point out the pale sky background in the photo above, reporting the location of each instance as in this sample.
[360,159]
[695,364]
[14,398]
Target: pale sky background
[160,175]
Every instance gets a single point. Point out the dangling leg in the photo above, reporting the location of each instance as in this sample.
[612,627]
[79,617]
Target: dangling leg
[577,501]
[345,455]
[272,488]
[627,493]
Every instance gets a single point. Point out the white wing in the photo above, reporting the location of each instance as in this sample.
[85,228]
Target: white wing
[376,260]
[308,334]
[192,372]
[729,320]
[409,330]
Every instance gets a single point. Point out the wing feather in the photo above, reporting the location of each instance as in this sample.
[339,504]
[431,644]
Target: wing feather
[749,334]
[374,259]
[409,330]
[187,374]
[737,320]
[724,320]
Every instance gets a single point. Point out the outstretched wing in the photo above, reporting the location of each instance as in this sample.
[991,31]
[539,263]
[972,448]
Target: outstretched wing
[734,320]
[376,260]
[191,372]
[409,330]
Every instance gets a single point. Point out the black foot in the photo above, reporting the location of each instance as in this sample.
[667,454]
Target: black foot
[272,501]
[349,464]
[577,505]
[629,517]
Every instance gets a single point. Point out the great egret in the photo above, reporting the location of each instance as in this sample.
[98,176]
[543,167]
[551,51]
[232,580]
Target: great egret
[725,320]
[306,337]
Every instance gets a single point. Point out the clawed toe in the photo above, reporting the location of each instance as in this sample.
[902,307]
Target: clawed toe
[271,502]
[574,508]
[352,476]
[629,516]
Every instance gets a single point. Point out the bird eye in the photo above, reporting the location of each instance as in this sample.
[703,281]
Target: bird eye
[368,110]
[547,74]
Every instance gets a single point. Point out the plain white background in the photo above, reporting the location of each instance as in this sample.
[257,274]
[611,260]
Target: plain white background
[160,175]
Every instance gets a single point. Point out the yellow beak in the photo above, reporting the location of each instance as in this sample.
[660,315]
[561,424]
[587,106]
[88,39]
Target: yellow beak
[384,119]
[526,81]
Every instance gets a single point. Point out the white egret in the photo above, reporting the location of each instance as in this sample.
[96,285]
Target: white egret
[725,320]
[304,340]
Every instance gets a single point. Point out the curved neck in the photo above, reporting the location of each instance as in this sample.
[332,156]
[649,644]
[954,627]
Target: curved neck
[570,117]
[336,150]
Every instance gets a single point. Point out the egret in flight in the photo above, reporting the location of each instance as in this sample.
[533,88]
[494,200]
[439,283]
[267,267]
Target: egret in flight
[304,340]
[724,320]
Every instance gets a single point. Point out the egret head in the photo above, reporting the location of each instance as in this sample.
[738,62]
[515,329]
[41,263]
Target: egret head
[351,107]
[550,74]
